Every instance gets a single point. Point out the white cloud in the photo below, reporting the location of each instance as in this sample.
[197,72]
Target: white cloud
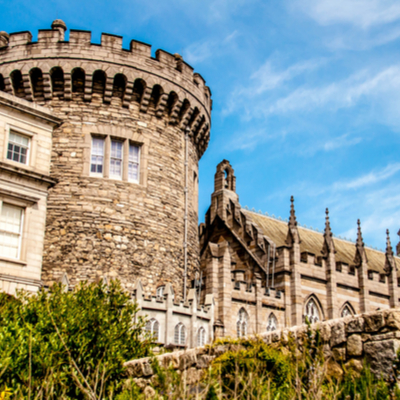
[341,141]
[372,177]
[201,51]
[267,77]
[360,13]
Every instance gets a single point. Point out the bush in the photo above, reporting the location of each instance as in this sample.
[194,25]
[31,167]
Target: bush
[70,345]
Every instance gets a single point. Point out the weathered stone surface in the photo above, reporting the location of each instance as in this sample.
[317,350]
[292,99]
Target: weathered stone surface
[339,353]
[374,322]
[149,392]
[204,361]
[354,345]
[380,355]
[355,325]
[187,360]
[338,334]
[354,365]
[392,319]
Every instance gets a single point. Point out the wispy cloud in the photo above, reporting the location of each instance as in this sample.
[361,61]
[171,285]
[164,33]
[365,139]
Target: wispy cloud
[360,13]
[372,177]
[341,141]
[203,50]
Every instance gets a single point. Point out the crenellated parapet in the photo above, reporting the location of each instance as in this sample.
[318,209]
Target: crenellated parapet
[164,86]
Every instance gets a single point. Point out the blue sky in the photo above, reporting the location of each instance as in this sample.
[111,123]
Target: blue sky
[306,95]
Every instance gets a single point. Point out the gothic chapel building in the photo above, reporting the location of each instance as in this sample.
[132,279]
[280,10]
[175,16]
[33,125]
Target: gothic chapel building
[99,153]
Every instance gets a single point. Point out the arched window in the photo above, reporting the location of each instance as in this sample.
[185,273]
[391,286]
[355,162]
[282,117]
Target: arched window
[312,312]
[153,329]
[99,82]
[172,99]
[185,107]
[2,85]
[119,86]
[160,291]
[57,81]
[180,334]
[155,96]
[36,82]
[347,311]
[16,79]
[138,89]
[78,80]
[241,325]
[272,324]
[201,337]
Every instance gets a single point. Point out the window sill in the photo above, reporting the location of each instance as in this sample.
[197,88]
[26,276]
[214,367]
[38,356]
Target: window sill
[14,261]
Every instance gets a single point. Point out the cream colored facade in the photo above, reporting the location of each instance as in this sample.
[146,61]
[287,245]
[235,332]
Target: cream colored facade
[25,151]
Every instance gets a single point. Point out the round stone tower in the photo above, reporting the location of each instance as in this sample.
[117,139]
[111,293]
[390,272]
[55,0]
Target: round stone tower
[126,156]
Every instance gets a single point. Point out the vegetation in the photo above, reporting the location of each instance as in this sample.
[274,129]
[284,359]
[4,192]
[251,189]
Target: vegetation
[72,345]
[68,345]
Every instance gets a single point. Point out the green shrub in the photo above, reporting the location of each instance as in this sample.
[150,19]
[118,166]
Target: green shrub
[70,345]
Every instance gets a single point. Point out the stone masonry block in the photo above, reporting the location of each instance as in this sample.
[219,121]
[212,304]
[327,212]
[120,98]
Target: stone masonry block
[380,356]
[374,322]
[338,333]
[354,345]
[355,325]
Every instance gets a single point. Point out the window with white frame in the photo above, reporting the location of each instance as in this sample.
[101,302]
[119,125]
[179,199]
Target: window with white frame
[272,323]
[133,164]
[201,337]
[116,159]
[11,222]
[18,147]
[346,312]
[241,325]
[160,291]
[97,157]
[180,334]
[153,329]
[312,312]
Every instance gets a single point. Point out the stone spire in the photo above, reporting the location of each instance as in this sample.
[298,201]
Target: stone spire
[389,250]
[390,263]
[293,233]
[292,218]
[329,245]
[398,245]
[361,255]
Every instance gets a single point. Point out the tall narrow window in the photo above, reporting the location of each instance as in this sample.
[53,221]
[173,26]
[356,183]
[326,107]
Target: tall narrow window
[153,329]
[272,323]
[201,337]
[180,334]
[11,218]
[18,148]
[116,159]
[312,312]
[241,324]
[133,168]
[97,160]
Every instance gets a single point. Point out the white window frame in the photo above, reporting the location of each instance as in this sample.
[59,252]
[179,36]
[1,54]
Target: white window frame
[312,311]
[160,291]
[21,229]
[272,323]
[19,132]
[180,334]
[123,144]
[132,162]
[155,334]
[201,337]
[242,323]
[98,174]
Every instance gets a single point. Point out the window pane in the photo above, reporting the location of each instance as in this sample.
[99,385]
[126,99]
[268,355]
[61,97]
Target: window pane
[10,230]
[18,146]
[133,153]
[133,172]
[116,149]
[97,158]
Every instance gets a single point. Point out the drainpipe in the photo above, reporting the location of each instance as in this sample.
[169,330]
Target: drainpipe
[187,130]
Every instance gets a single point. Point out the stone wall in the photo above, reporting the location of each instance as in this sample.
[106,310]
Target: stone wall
[373,337]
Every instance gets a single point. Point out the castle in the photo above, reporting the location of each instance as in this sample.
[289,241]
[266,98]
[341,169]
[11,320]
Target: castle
[99,150]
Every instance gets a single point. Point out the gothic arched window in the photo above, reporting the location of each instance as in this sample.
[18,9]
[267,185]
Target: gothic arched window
[180,334]
[242,322]
[347,311]
[272,323]
[201,337]
[160,291]
[312,312]
[153,329]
